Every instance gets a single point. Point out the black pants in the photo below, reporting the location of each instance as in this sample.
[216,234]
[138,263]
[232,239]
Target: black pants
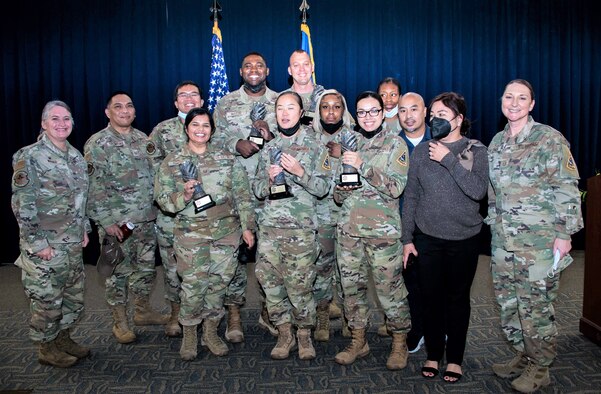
[411,277]
[446,271]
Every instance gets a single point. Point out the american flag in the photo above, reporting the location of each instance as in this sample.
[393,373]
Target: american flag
[218,85]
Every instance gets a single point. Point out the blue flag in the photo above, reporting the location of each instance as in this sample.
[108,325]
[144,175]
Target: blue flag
[218,85]
[307,46]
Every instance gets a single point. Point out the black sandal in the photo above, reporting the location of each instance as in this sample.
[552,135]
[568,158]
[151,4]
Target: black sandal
[449,374]
[432,370]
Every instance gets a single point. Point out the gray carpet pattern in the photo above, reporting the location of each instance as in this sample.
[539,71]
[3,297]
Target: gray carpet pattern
[152,364]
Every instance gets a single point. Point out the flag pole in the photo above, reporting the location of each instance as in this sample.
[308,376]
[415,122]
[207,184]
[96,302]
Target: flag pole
[306,44]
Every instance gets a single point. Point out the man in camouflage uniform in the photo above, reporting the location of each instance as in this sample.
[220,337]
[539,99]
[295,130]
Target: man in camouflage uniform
[121,191]
[170,136]
[301,71]
[369,232]
[534,208]
[206,242]
[331,117]
[233,122]
[288,246]
[50,188]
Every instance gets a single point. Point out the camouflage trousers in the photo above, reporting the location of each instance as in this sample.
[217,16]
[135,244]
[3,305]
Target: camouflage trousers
[137,272]
[527,313]
[328,275]
[206,267]
[286,271]
[236,290]
[358,258]
[55,290]
[164,231]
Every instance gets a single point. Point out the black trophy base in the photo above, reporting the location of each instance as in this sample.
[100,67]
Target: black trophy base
[203,203]
[278,192]
[257,140]
[350,180]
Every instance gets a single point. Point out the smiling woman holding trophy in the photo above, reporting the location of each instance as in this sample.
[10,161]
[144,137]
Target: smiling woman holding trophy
[207,189]
[368,239]
[290,176]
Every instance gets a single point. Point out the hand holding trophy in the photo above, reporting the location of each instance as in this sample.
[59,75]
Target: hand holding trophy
[258,112]
[279,189]
[313,106]
[350,175]
[201,199]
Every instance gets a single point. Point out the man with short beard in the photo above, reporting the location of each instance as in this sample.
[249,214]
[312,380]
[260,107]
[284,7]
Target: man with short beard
[233,127]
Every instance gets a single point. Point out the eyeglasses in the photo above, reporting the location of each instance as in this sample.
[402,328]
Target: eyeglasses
[188,95]
[372,112]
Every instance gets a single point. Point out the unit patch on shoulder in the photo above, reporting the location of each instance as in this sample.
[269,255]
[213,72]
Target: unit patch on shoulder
[569,163]
[402,159]
[91,168]
[326,165]
[151,148]
[20,178]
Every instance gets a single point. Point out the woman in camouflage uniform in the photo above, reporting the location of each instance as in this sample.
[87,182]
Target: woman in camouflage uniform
[534,208]
[206,239]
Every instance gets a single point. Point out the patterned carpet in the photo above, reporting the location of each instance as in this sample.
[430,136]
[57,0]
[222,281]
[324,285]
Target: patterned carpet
[153,365]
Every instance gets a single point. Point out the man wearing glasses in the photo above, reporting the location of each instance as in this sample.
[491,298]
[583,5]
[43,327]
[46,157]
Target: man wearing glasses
[168,136]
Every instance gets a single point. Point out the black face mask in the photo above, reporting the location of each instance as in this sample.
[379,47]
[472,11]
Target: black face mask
[331,128]
[440,128]
[368,134]
[290,131]
[255,88]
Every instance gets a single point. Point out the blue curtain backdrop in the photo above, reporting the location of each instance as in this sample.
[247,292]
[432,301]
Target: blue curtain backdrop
[80,51]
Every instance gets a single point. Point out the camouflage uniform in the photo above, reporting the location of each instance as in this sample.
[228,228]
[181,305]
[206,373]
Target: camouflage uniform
[288,246]
[533,199]
[168,136]
[232,122]
[50,189]
[369,232]
[121,186]
[307,99]
[206,243]
[327,214]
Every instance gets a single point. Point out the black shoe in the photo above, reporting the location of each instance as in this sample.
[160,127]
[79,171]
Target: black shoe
[456,377]
[432,370]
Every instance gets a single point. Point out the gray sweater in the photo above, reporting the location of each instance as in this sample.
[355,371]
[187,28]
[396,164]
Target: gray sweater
[442,199]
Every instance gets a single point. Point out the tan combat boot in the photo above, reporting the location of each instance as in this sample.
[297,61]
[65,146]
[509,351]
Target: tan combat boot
[356,349]
[398,353]
[121,329]
[322,328]
[266,323]
[172,328]
[189,349]
[50,354]
[67,345]
[334,311]
[144,314]
[306,351]
[210,338]
[533,378]
[233,331]
[285,343]
[512,368]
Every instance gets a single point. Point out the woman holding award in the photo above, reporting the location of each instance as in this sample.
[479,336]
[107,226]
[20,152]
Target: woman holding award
[207,189]
[369,229]
[292,172]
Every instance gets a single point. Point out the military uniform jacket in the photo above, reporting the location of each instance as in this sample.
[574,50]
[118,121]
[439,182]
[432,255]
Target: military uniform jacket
[222,177]
[49,192]
[298,211]
[166,137]
[327,208]
[533,196]
[121,177]
[232,122]
[372,211]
